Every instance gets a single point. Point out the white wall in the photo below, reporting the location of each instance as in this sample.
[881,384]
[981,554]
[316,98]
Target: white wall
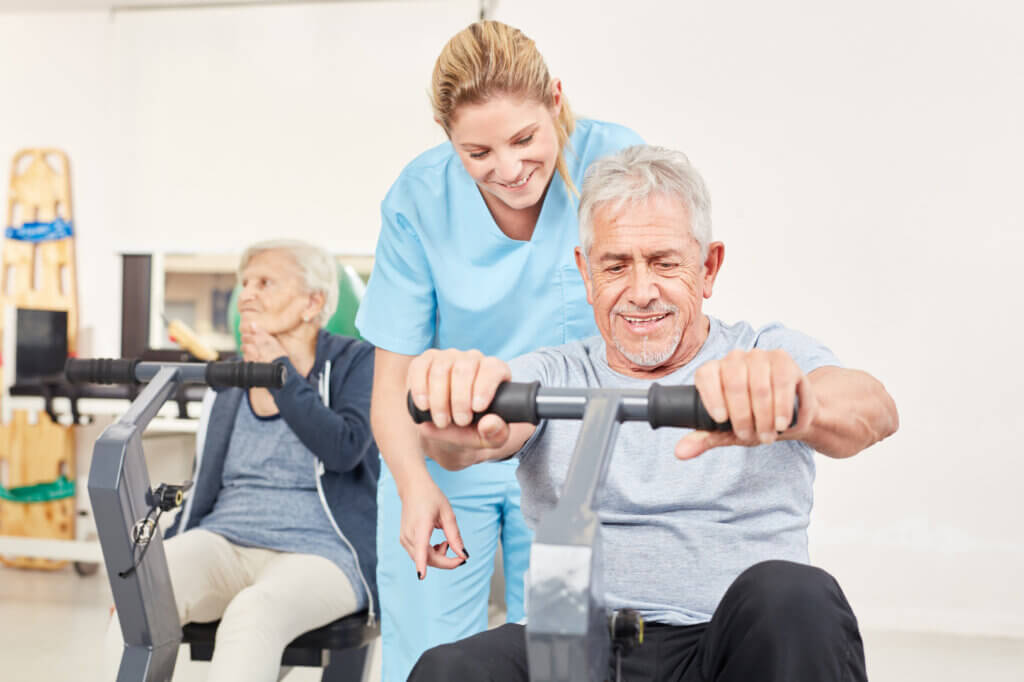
[241,124]
[56,91]
[863,160]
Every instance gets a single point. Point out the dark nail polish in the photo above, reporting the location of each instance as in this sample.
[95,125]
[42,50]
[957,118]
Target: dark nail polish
[419,575]
[462,564]
[465,552]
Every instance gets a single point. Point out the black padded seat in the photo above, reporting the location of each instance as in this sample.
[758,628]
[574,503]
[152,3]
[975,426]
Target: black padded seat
[314,648]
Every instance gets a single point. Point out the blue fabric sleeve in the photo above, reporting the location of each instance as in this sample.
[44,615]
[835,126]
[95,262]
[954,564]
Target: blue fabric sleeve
[339,435]
[399,309]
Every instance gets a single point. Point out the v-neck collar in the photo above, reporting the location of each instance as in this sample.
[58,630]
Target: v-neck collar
[540,230]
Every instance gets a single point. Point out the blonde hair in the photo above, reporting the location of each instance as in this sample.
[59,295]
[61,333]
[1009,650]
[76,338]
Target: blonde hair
[489,58]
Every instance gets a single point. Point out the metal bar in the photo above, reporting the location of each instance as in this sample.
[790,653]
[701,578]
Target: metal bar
[152,398]
[141,584]
[571,403]
[567,635]
[593,452]
[189,372]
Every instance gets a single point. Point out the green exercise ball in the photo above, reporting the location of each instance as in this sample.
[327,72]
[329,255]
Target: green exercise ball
[350,293]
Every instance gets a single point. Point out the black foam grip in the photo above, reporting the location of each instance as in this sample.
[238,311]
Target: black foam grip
[514,402]
[100,370]
[681,406]
[246,374]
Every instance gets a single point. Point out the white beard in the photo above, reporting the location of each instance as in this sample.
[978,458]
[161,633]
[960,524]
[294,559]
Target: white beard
[646,357]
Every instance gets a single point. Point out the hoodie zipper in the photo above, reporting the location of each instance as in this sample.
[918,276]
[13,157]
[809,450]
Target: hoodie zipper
[318,471]
[206,409]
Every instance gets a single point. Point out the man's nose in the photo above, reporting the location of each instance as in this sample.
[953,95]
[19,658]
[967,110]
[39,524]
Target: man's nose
[642,287]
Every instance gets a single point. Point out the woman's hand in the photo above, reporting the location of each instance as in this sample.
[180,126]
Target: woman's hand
[424,508]
[258,345]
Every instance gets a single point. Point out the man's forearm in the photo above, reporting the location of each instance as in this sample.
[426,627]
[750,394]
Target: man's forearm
[455,456]
[854,412]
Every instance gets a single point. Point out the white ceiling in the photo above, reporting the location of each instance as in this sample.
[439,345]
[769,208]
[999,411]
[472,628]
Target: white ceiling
[11,6]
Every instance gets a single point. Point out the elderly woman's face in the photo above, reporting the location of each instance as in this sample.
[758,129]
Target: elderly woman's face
[273,295]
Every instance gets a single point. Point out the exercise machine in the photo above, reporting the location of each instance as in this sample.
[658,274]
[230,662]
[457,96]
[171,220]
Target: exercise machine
[570,636]
[127,509]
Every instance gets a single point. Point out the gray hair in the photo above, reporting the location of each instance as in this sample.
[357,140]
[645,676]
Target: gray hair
[316,268]
[636,173]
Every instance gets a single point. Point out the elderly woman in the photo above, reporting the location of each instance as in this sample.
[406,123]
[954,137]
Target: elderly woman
[278,536]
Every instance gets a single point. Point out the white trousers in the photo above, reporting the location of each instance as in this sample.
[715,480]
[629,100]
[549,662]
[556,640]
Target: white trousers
[263,598]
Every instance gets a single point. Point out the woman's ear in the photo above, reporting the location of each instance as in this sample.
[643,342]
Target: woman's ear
[556,97]
[438,122]
[317,299]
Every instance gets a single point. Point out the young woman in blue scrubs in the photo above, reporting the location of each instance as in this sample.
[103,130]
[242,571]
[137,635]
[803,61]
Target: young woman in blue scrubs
[475,251]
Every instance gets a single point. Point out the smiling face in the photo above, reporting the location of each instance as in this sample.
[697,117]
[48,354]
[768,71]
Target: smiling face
[646,280]
[509,147]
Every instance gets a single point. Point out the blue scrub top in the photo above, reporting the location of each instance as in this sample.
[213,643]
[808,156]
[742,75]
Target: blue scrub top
[445,275]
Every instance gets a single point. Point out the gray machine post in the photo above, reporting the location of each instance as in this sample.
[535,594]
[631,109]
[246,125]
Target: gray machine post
[118,479]
[567,630]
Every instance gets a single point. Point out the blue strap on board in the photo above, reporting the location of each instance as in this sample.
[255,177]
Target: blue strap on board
[41,232]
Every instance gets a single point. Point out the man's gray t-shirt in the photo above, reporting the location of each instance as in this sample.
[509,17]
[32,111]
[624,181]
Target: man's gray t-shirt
[675,534]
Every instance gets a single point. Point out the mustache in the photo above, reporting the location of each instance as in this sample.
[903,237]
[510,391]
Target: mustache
[654,308]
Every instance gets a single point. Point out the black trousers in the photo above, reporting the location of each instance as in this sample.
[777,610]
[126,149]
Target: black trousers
[778,622]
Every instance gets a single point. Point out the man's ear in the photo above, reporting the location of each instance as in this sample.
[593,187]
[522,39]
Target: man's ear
[712,266]
[581,264]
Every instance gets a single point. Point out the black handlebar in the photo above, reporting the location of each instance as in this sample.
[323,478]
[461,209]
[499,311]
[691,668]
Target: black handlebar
[678,406]
[221,374]
[246,374]
[515,402]
[100,371]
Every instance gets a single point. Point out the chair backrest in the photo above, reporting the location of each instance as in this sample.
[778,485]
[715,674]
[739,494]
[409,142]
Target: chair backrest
[350,293]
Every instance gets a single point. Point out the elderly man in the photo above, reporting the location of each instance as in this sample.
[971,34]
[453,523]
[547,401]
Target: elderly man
[712,549]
